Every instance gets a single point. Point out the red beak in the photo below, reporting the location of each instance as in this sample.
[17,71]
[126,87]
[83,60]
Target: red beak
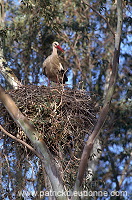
[58,47]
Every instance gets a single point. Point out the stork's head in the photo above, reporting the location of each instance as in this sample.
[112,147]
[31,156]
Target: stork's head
[57,46]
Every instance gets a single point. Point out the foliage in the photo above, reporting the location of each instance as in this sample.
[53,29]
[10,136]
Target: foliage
[31,27]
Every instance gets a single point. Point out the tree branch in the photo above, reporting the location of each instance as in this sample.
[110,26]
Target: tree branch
[37,141]
[103,114]
[22,142]
[8,74]
[4,69]
[100,16]
[125,171]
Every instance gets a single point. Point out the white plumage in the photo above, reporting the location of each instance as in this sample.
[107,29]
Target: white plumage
[52,68]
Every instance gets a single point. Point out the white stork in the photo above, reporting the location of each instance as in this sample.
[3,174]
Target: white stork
[52,68]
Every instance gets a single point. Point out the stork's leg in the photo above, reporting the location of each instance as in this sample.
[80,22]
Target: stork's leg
[49,83]
[58,82]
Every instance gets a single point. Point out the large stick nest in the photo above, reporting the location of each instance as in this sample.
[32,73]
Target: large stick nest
[64,118]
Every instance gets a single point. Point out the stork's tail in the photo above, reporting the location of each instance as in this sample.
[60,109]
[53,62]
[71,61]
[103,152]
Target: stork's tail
[65,79]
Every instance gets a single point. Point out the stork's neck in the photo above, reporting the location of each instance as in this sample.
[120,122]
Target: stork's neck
[54,52]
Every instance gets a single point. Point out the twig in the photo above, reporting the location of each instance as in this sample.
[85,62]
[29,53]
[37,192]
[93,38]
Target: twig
[21,141]
[124,172]
[100,16]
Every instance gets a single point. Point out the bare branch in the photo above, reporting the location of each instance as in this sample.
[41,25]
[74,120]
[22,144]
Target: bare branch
[8,74]
[101,17]
[125,171]
[21,141]
[103,114]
